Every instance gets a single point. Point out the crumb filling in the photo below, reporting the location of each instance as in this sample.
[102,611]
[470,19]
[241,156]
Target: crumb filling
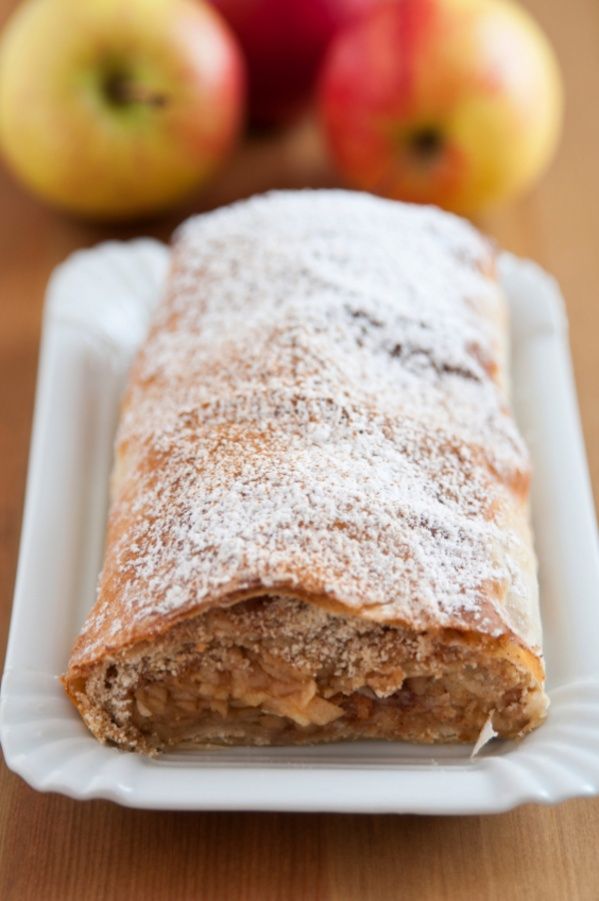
[279,671]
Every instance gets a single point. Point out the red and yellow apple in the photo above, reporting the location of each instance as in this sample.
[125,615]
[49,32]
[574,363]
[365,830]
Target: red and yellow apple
[118,108]
[284,42]
[452,102]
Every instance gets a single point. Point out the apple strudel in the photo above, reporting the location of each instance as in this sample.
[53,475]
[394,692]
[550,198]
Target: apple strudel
[319,504]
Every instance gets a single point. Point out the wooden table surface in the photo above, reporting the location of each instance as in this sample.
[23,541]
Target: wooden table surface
[56,849]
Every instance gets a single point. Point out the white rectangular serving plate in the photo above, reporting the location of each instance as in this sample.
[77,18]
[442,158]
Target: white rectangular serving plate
[97,312]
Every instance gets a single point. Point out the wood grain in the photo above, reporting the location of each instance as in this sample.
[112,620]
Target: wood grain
[55,849]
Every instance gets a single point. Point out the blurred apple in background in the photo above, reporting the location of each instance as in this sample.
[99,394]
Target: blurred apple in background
[284,42]
[453,102]
[118,108]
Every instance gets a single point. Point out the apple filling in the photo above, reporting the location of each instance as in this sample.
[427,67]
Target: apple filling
[275,670]
[270,698]
[267,710]
[265,707]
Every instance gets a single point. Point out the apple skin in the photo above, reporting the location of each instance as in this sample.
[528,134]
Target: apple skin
[284,42]
[451,102]
[117,110]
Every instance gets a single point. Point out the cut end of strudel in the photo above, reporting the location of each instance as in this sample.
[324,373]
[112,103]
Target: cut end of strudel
[319,516]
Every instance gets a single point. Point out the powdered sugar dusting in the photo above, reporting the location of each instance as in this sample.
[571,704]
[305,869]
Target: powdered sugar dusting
[319,407]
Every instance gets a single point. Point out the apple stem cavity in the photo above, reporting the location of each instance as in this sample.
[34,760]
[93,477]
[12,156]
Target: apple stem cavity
[426,144]
[121,90]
